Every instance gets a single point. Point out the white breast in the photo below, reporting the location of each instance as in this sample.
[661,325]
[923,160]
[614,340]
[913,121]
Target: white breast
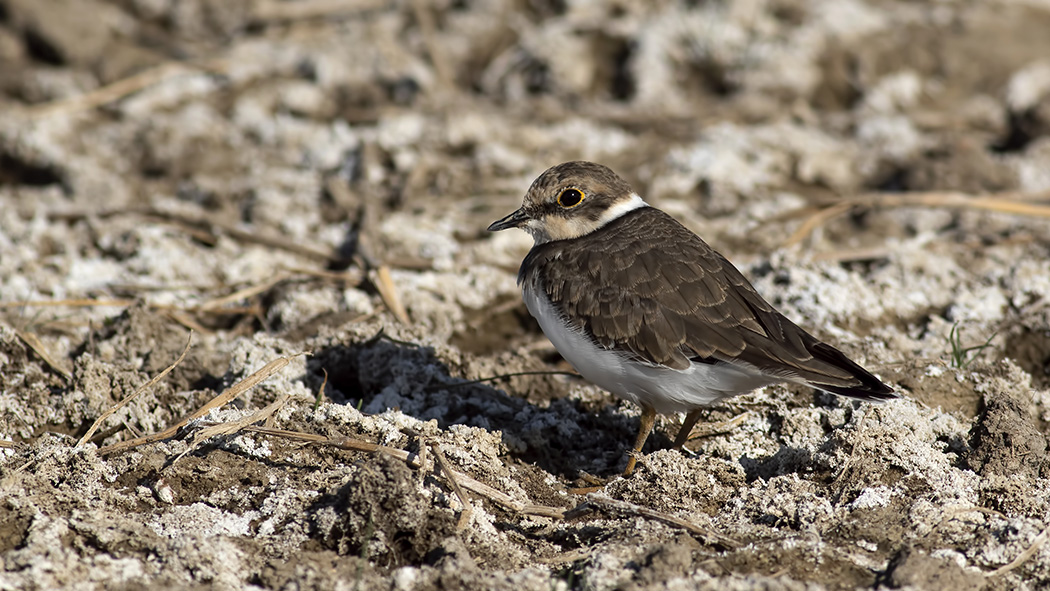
[664,389]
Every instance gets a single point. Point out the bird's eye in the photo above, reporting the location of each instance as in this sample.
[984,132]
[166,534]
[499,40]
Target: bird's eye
[570,198]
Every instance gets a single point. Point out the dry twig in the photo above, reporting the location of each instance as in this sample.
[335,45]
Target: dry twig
[385,286]
[229,394]
[276,11]
[606,503]
[262,414]
[1008,203]
[203,220]
[127,399]
[414,461]
[464,516]
[34,343]
[124,87]
[1023,556]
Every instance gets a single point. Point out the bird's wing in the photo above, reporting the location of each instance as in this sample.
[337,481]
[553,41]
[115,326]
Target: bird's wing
[675,300]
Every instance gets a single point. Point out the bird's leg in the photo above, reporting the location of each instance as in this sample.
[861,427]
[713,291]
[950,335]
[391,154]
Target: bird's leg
[687,428]
[645,425]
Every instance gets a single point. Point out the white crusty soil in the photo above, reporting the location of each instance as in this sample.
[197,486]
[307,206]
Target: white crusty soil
[406,128]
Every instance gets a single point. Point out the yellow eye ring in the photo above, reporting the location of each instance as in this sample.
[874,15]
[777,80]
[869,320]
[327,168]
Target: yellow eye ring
[570,198]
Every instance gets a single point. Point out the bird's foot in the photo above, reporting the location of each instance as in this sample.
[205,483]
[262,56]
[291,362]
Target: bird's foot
[632,460]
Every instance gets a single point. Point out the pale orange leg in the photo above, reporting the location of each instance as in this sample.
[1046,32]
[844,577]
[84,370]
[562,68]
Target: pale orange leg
[687,428]
[645,425]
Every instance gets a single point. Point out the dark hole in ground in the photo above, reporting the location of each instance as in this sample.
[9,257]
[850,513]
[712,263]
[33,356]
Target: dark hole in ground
[537,76]
[1022,130]
[41,49]
[16,171]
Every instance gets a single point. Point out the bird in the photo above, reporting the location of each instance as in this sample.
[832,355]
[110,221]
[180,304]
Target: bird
[641,306]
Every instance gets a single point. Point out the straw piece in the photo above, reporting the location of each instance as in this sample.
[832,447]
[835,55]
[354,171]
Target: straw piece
[124,87]
[610,504]
[1008,203]
[1023,556]
[34,343]
[388,291]
[243,294]
[415,461]
[234,391]
[239,425]
[464,516]
[274,11]
[138,391]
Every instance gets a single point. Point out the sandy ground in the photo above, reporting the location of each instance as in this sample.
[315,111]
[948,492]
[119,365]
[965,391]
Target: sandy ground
[276,175]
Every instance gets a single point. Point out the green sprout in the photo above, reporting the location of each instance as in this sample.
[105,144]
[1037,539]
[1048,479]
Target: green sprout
[962,357]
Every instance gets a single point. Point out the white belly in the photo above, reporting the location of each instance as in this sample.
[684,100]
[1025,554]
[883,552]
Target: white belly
[664,389]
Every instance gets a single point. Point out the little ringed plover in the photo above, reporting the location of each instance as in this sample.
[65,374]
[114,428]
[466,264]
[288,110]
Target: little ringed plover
[644,308]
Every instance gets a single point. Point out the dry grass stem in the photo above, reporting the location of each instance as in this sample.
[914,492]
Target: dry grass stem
[277,11]
[34,343]
[502,376]
[1008,203]
[243,294]
[124,87]
[138,391]
[124,303]
[415,461]
[816,220]
[852,255]
[320,391]
[350,277]
[1023,556]
[203,220]
[217,306]
[379,271]
[262,414]
[711,429]
[422,10]
[229,394]
[439,457]
[953,512]
[184,319]
[603,502]
[388,291]
[342,443]
[73,303]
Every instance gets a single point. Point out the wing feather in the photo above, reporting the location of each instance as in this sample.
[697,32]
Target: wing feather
[669,301]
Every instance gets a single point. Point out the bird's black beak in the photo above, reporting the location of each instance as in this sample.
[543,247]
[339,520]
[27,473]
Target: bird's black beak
[514,220]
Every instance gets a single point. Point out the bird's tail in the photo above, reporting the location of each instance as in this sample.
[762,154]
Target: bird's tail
[862,386]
